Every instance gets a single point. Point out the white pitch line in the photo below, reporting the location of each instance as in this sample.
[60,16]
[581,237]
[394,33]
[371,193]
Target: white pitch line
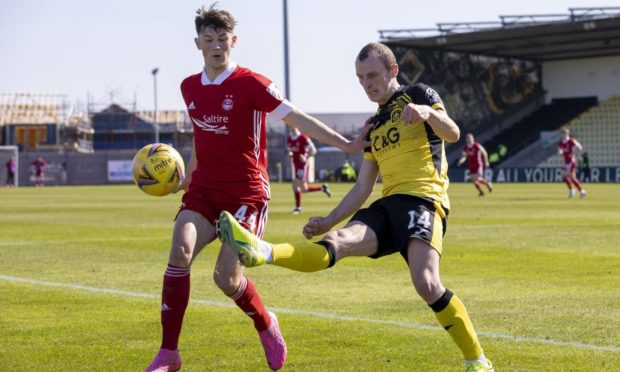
[536,340]
[89,240]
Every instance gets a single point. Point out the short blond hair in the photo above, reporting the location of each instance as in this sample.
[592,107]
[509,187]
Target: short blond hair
[384,53]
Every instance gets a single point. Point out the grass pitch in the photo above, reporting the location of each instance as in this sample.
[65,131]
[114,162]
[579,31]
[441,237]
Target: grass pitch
[81,271]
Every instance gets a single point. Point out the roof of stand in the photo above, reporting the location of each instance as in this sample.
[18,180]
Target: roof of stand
[583,33]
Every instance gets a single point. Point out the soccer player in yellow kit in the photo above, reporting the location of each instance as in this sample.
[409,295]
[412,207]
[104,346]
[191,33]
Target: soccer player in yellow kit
[407,150]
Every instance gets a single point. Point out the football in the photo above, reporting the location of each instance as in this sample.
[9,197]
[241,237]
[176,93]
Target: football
[158,169]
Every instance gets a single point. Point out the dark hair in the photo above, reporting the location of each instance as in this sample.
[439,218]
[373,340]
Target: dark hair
[384,53]
[214,18]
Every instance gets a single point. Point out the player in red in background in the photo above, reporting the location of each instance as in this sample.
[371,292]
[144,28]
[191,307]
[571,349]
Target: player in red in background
[39,167]
[227,171]
[570,148]
[301,149]
[477,159]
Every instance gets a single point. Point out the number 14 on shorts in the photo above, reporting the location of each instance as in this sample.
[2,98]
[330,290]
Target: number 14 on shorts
[421,221]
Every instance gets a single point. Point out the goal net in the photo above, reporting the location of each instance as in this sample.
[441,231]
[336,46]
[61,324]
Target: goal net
[6,154]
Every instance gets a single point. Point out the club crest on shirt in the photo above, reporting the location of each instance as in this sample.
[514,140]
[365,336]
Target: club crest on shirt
[228,103]
[395,115]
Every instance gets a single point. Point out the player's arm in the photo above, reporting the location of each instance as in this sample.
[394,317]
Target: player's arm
[439,120]
[352,201]
[578,147]
[485,156]
[193,161]
[318,130]
[462,159]
[311,148]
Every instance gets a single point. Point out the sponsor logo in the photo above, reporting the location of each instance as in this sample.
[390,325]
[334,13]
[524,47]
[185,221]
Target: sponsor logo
[432,96]
[162,164]
[273,90]
[210,123]
[383,141]
[228,103]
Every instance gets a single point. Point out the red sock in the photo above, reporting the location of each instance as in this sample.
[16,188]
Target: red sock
[567,180]
[576,183]
[174,299]
[484,181]
[312,188]
[477,184]
[297,198]
[248,300]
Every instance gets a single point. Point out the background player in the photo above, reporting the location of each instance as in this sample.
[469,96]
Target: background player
[227,171]
[300,149]
[11,169]
[477,159]
[39,167]
[407,150]
[570,148]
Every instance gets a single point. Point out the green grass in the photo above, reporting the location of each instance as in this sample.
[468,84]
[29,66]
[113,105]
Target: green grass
[539,274]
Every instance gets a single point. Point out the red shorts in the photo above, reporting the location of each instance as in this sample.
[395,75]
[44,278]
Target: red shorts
[476,169]
[301,172]
[570,167]
[251,212]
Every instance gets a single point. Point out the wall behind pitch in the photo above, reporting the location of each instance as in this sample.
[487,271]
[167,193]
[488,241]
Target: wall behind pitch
[537,174]
[598,77]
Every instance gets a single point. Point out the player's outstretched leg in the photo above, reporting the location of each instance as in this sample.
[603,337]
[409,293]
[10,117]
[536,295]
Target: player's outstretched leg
[252,251]
[243,242]
[326,190]
[486,366]
[273,344]
[165,361]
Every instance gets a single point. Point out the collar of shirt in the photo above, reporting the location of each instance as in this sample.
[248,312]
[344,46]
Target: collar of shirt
[220,78]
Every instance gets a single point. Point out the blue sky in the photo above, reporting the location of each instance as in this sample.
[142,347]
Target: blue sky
[85,47]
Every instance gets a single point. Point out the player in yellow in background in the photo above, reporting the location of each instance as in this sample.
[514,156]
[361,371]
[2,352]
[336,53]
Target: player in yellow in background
[407,150]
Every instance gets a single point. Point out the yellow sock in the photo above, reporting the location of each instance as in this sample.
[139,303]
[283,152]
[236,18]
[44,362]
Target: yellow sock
[452,315]
[304,257]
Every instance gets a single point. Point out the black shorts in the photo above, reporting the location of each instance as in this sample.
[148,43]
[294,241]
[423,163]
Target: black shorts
[397,218]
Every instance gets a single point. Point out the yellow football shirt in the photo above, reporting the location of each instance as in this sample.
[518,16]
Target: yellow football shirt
[411,157]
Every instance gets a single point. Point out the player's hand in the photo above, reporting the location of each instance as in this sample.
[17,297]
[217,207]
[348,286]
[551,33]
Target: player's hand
[303,158]
[315,226]
[360,142]
[413,113]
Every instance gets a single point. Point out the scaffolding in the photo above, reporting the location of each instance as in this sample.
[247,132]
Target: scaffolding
[26,120]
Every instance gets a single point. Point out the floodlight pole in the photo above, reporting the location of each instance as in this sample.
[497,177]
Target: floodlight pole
[155,123]
[287,88]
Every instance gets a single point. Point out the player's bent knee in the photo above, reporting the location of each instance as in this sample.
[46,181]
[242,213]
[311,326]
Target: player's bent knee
[226,283]
[430,290]
[180,255]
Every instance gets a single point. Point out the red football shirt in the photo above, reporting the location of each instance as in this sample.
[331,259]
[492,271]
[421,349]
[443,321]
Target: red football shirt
[474,155]
[228,115]
[568,148]
[298,146]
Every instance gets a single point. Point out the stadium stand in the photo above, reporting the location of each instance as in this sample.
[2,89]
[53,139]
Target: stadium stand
[547,118]
[598,131]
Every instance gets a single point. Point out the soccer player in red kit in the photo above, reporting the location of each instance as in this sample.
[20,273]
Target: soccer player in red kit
[227,171]
[477,159]
[569,148]
[301,149]
[39,166]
